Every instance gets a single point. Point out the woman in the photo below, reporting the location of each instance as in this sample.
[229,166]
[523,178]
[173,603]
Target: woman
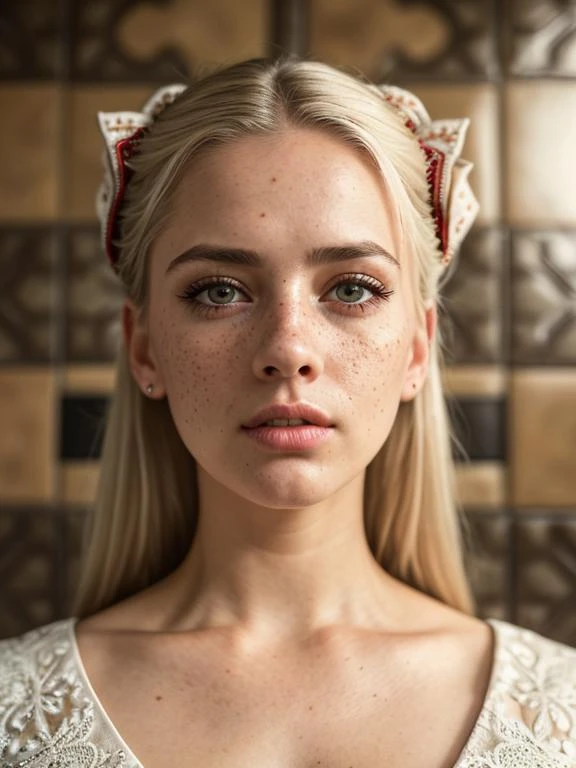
[274,575]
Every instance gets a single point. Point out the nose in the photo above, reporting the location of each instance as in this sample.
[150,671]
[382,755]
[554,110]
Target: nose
[287,345]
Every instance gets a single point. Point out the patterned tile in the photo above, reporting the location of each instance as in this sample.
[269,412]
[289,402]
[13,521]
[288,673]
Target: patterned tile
[546,576]
[29,294]
[471,320]
[30,40]
[27,439]
[162,42]
[544,298]
[542,438]
[83,162]
[31,547]
[541,154]
[29,171]
[388,39]
[94,298]
[542,38]
[487,563]
[479,102]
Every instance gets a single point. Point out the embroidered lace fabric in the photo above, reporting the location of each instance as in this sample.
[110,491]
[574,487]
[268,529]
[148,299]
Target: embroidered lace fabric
[51,718]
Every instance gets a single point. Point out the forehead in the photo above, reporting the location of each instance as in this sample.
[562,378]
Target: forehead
[295,185]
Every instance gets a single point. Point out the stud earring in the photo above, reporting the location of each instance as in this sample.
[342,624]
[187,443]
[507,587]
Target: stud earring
[149,389]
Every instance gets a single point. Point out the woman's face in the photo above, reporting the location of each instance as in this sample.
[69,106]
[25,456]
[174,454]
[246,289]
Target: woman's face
[278,280]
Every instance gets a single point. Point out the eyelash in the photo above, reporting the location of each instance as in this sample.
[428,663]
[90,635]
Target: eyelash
[190,295]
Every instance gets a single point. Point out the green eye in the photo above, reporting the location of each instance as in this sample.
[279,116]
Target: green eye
[221,294]
[350,292]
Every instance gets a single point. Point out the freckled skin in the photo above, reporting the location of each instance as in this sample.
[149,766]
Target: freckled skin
[282,196]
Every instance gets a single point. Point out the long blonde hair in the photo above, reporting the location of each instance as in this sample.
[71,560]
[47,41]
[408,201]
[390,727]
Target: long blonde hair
[145,513]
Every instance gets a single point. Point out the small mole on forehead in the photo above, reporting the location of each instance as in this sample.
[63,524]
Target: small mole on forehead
[273,178]
[262,215]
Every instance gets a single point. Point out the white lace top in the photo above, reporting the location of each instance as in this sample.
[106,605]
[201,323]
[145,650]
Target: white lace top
[50,716]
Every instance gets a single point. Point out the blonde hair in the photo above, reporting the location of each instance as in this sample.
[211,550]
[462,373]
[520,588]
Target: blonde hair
[145,512]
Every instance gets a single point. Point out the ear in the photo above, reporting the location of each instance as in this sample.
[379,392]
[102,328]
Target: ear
[139,349]
[420,354]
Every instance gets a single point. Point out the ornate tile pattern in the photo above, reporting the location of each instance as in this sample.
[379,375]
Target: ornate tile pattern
[94,297]
[31,44]
[545,577]
[162,41]
[29,295]
[542,38]
[544,298]
[488,546]
[392,40]
[30,549]
[472,322]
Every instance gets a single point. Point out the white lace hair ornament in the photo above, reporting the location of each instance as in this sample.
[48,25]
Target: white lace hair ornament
[453,204]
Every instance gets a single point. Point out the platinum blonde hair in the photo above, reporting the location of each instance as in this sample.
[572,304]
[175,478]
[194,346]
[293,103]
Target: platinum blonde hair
[145,513]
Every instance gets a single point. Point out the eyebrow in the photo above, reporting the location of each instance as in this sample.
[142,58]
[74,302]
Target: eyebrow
[316,257]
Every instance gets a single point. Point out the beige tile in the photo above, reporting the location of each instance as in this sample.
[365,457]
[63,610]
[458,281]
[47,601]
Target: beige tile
[480,104]
[83,163]
[27,439]
[481,484]
[212,33]
[541,152]
[89,379]
[361,34]
[29,138]
[78,481]
[542,442]
[474,380]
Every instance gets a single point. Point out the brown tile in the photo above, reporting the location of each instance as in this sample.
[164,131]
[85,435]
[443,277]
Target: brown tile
[30,549]
[93,301]
[27,440]
[29,170]
[542,38]
[543,438]
[481,484]
[31,42]
[89,379]
[471,319]
[541,155]
[29,294]
[78,482]
[387,39]
[543,298]
[164,43]
[479,102]
[487,563]
[83,165]
[474,380]
[546,576]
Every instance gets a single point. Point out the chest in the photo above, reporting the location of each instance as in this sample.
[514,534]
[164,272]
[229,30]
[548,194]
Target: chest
[368,716]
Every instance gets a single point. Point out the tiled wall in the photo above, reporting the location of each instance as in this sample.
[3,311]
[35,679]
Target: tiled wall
[510,307]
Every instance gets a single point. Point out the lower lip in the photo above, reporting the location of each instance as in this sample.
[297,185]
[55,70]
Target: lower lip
[300,438]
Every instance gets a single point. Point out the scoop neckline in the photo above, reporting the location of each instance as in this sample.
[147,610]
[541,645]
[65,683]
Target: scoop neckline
[494,625]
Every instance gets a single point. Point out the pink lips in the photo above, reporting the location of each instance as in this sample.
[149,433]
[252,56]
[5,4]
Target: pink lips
[296,438]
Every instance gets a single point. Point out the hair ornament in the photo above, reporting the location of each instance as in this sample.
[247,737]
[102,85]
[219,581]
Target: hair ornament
[122,132]
[454,206]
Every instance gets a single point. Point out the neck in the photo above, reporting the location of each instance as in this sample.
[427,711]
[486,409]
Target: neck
[282,573]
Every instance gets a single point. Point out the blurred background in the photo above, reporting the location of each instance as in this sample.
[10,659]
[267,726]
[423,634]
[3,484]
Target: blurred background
[510,317]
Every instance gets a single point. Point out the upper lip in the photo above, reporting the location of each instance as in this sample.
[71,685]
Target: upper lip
[290,411]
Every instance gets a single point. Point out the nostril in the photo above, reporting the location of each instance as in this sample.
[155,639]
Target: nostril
[304,370]
[269,370]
